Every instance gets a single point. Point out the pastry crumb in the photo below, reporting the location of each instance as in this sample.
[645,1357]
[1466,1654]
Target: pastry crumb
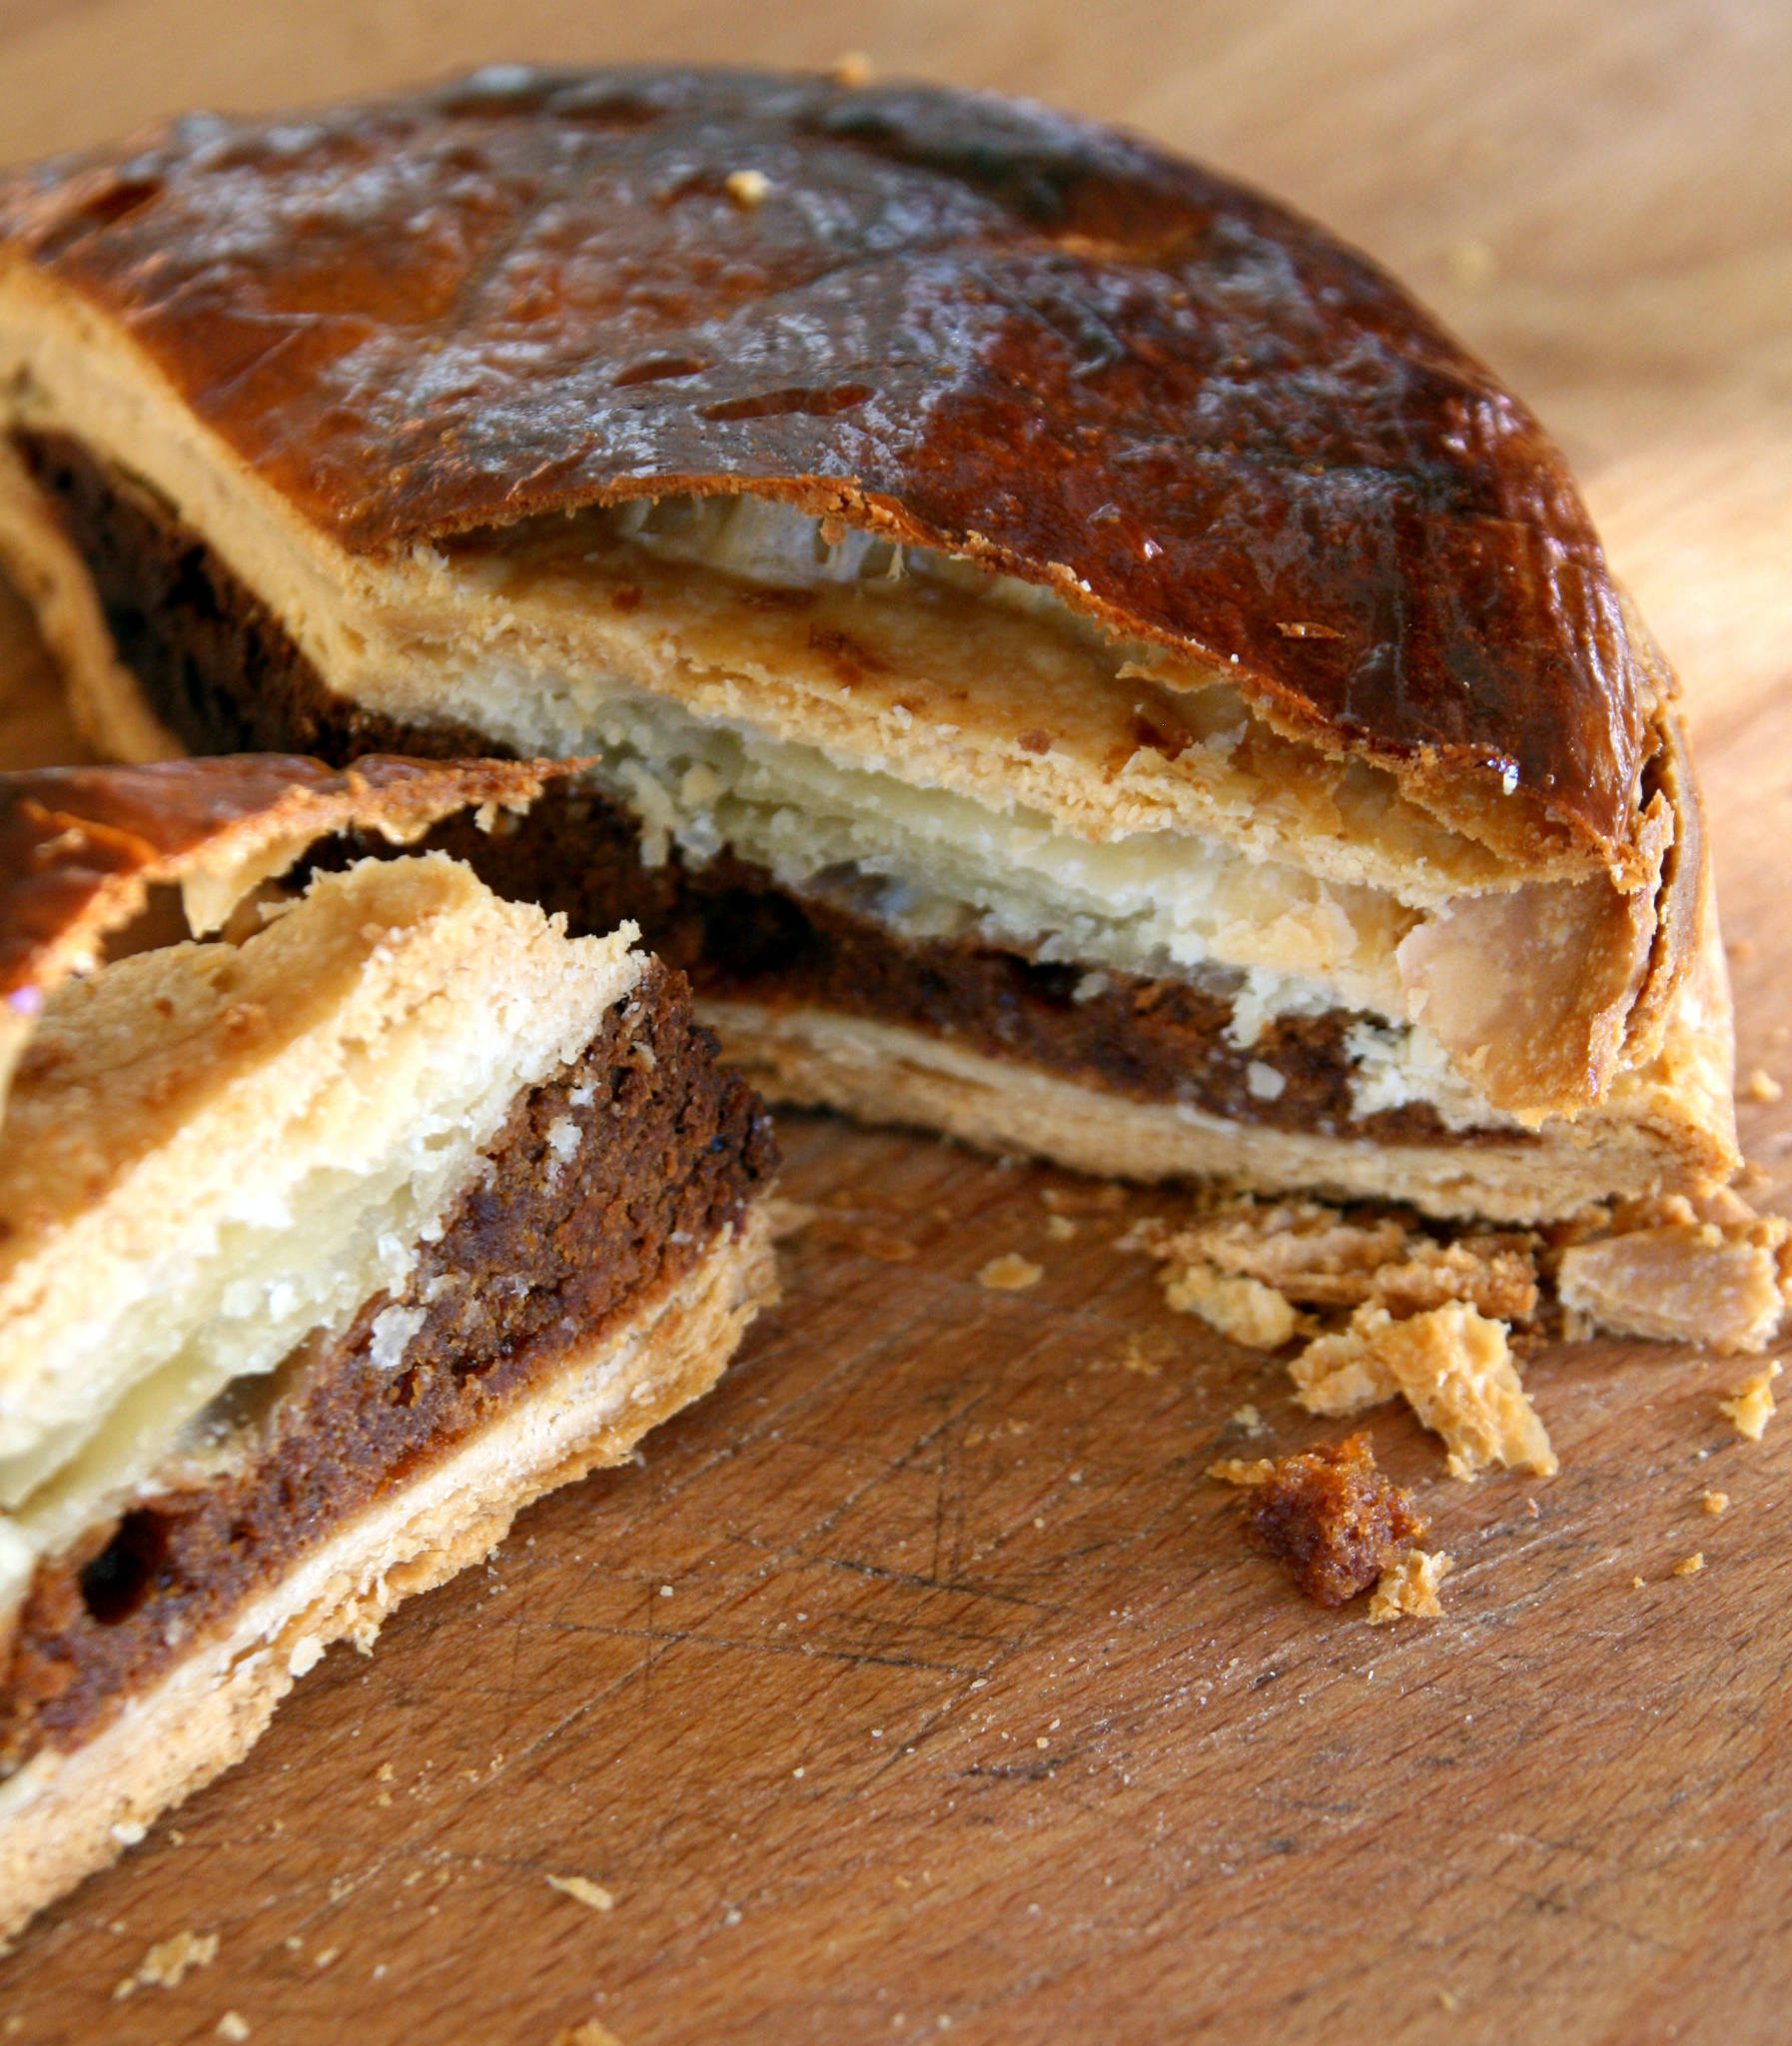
[233,2026]
[853,70]
[1680,1273]
[885,1247]
[1762,1086]
[1010,1272]
[1145,1233]
[1316,1258]
[1639,1583]
[1243,1310]
[749,189]
[168,1963]
[582,1891]
[1243,1470]
[590,2033]
[1249,1419]
[1331,1519]
[1060,1228]
[1716,1503]
[1100,1200]
[1144,1355]
[1690,1565]
[1453,1365]
[1409,1587]
[1753,1405]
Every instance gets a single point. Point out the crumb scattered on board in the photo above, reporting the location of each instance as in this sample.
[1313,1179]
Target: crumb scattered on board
[1145,1355]
[1060,1228]
[1716,1503]
[1711,1272]
[1244,1309]
[168,1961]
[1753,1405]
[1409,1587]
[1330,1519]
[885,1246]
[1010,1272]
[1428,1320]
[1453,1365]
[233,2026]
[1314,1257]
[582,1891]
[1690,1565]
[1762,1086]
[749,189]
[590,2033]
[1249,1419]
[1243,1470]
[1105,1199]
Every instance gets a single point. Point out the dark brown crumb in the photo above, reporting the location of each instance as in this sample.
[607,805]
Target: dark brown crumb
[1331,1519]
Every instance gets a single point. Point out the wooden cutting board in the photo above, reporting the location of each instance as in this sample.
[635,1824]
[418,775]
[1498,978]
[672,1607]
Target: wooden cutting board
[917,1685]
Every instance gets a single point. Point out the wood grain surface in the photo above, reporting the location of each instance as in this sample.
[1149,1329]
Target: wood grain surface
[917,1685]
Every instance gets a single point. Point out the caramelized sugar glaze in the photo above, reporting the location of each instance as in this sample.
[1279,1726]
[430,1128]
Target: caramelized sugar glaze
[969,324]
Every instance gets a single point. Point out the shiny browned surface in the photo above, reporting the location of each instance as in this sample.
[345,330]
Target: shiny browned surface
[77,844]
[989,326]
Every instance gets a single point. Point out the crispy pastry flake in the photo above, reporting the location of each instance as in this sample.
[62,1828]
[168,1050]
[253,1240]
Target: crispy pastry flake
[1244,1311]
[1753,1406]
[1409,1587]
[1315,1256]
[1711,1272]
[1453,1368]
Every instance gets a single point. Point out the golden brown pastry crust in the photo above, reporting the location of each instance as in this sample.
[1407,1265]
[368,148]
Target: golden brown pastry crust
[1666,1129]
[967,322]
[80,847]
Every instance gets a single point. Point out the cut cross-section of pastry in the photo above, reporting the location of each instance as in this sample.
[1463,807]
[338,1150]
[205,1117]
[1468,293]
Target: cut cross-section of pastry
[1076,657]
[344,1207]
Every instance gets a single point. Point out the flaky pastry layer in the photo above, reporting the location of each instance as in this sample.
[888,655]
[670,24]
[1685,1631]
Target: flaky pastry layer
[211,1151]
[68,1813]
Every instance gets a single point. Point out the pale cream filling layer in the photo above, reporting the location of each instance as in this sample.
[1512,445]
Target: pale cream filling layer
[968,741]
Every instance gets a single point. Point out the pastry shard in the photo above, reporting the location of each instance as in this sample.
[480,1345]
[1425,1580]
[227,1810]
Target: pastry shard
[327,1241]
[1075,656]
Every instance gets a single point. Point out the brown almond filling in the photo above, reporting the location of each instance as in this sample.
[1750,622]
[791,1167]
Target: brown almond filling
[544,1254]
[223,675]
[1332,1518]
